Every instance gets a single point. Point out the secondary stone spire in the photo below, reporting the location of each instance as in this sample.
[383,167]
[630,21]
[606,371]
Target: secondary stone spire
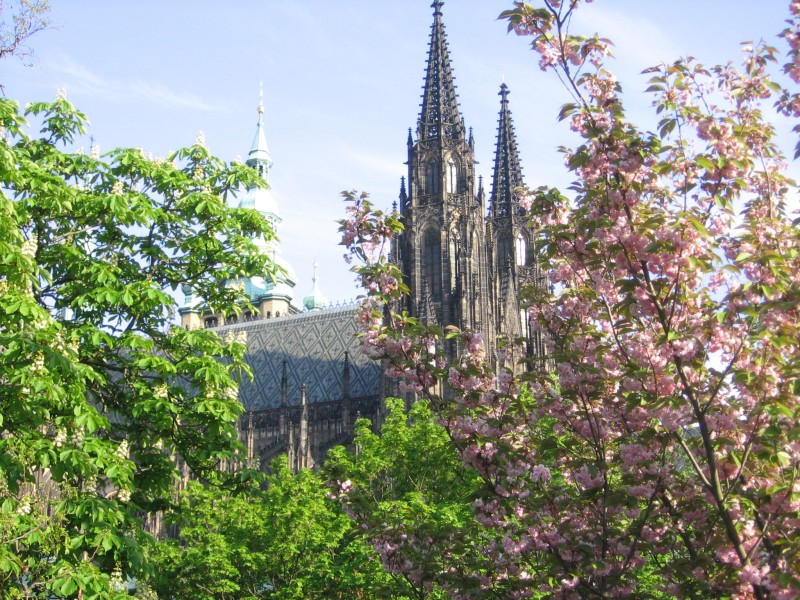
[507,170]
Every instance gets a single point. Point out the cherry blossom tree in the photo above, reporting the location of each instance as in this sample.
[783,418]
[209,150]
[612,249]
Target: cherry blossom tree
[660,455]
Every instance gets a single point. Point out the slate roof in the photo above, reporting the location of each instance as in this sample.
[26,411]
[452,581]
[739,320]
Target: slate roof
[313,344]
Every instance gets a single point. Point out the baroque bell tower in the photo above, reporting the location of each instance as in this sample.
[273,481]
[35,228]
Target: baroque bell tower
[442,250]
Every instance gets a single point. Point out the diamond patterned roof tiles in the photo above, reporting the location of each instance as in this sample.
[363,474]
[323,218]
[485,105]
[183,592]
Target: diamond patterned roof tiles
[313,344]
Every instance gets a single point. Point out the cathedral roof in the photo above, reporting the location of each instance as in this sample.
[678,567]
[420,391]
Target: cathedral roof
[439,117]
[507,170]
[312,345]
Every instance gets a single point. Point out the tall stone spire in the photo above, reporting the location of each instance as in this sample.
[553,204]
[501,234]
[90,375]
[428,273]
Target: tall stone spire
[441,251]
[439,117]
[507,171]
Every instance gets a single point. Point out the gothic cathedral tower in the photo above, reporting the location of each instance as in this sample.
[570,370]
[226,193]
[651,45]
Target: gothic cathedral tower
[442,250]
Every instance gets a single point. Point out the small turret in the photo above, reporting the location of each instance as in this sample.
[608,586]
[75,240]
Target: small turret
[346,393]
[260,159]
[250,439]
[284,385]
[403,196]
[304,449]
[316,301]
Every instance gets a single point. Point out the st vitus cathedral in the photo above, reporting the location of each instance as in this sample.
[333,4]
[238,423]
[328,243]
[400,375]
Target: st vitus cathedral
[464,259]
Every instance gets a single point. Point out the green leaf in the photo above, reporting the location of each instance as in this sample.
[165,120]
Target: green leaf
[699,227]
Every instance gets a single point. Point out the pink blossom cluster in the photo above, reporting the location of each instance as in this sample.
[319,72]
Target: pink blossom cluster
[557,49]
[365,232]
[792,36]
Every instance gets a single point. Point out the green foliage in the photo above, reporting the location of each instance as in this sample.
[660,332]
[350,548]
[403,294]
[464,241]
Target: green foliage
[413,497]
[291,541]
[98,389]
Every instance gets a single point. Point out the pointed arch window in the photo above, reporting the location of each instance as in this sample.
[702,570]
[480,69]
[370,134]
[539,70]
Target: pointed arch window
[452,177]
[432,261]
[503,251]
[432,177]
[521,250]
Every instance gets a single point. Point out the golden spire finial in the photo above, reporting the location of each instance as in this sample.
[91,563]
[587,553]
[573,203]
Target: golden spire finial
[261,97]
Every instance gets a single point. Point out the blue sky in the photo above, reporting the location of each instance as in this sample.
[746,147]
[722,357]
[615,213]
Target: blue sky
[342,83]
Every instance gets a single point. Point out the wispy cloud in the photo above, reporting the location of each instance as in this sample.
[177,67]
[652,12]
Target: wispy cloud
[638,40]
[379,166]
[78,78]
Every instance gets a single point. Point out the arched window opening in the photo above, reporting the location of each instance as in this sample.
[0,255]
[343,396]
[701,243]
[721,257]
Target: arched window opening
[277,313]
[503,252]
[432,251]
[269,315]
[211,322]
[432,177]
[521,250]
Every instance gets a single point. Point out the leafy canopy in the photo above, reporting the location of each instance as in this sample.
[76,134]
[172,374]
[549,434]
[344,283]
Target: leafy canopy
[289,541]
[99,390]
